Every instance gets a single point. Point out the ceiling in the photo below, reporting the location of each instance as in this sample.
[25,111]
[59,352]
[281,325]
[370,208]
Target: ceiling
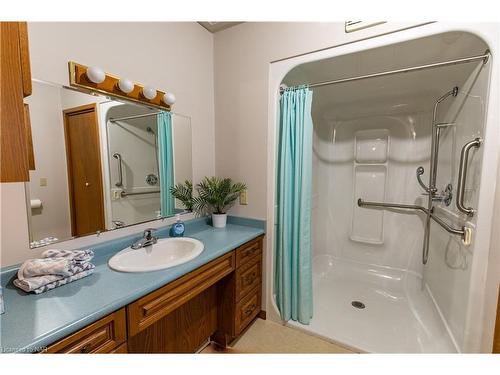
[213,26]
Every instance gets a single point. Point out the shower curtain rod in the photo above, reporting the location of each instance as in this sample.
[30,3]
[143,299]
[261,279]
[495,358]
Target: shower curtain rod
[136,116]
[483,57]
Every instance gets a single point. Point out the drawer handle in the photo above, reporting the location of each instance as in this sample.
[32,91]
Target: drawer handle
[249,279]
[85,349]
[250,251]
[250,309]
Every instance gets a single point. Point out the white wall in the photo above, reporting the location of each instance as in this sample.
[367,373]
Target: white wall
[242,57]
[176,57]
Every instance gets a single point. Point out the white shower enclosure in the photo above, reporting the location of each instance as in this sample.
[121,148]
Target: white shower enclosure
[371,290]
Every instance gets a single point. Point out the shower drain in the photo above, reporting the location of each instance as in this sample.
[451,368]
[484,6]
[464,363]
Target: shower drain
[358,304]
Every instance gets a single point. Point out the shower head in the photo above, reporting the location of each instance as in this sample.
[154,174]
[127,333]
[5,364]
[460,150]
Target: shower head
[150,130]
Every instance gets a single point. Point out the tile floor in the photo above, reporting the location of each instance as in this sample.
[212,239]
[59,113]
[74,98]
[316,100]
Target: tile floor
[265,336]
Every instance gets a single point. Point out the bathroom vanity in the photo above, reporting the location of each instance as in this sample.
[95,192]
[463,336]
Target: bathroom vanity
[219,299]
[176,310]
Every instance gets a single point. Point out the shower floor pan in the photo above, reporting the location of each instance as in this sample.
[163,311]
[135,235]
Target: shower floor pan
[374,309]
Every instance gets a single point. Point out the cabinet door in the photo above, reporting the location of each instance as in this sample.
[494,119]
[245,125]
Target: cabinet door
[15,84]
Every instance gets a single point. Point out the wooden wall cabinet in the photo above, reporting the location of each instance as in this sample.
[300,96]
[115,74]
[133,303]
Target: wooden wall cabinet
[16,151]
[218,301]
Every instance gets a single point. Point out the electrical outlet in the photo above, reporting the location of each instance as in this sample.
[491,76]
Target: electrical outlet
[43,181]
[243,198]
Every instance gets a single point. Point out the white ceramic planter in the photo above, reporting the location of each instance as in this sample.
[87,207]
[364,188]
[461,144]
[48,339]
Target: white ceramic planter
[219,220]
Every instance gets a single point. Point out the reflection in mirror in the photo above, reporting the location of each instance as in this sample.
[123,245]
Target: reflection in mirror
[101,164]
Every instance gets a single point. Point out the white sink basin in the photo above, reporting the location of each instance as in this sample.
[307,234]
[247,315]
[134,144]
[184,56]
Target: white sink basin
[166,253]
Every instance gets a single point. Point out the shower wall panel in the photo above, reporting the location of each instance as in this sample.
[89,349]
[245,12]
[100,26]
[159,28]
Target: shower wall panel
[375,157]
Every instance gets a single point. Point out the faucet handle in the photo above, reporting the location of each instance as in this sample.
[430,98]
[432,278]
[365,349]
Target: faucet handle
[148,233]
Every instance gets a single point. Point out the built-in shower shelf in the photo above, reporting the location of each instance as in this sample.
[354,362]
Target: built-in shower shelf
[371,148]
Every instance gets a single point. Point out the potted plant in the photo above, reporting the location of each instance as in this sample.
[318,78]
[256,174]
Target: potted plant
[184,193]
[216,195]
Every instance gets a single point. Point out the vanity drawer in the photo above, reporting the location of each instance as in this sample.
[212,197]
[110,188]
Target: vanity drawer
[158,304]
[248,277]
[247,251]
[102,336]
[247,309]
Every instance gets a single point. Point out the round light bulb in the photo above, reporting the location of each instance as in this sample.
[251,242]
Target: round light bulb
[168,98]
[95,74]
[125,85]
[149,92]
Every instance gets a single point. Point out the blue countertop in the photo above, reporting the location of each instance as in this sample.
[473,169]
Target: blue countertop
[31,322]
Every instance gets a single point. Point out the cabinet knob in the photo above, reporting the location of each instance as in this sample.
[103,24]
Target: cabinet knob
[85,349]
[250,309]
[87,184]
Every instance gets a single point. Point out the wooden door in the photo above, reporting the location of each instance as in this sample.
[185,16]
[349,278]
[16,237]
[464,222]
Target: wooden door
[84,169]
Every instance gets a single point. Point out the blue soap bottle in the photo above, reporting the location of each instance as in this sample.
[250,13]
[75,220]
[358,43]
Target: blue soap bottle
[178,228]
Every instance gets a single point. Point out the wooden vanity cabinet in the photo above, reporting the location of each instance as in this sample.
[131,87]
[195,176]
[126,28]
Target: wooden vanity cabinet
[240,293]
[217,300]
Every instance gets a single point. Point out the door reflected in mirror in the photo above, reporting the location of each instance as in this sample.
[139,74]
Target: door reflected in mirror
[101,164]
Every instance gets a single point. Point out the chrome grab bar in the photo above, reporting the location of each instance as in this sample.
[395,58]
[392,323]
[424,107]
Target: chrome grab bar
[123,193]
[462,176]
[118,157]
[458,231]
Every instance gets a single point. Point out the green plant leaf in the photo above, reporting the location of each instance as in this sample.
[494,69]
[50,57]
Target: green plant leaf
[216,194]
[184,193]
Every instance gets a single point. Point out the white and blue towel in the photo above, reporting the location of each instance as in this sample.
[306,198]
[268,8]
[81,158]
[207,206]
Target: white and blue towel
[55,268]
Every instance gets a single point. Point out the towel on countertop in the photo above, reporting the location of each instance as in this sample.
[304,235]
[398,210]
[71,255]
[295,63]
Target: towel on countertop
[77,255]
[49,282]
[55,262]
[55,268]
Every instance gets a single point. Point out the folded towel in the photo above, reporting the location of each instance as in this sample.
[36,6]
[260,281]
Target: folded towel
[55,262]
[28,287]
[31,284]
[78,255]
[55,268]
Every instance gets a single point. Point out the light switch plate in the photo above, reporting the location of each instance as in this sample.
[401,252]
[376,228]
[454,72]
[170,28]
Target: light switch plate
[43,181]
[244,197]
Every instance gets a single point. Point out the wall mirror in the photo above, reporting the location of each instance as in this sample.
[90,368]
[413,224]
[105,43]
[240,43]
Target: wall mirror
[101,163]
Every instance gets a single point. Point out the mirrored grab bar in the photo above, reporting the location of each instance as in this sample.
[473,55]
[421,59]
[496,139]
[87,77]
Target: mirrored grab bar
[118,157]
[123,193]
[463,232]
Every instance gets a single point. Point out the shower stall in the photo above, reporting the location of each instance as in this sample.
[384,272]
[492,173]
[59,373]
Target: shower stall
[403,176]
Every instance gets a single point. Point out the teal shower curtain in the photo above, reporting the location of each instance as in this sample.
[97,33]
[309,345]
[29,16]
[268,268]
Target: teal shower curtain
[166,163]
[293,268]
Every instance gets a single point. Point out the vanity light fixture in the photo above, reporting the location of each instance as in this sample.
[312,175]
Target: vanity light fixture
[149,92]
[125,85]
[95,74]
[94,80]
[168,98]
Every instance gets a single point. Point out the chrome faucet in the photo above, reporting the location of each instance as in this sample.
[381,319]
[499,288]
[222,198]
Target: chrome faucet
[147,239]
